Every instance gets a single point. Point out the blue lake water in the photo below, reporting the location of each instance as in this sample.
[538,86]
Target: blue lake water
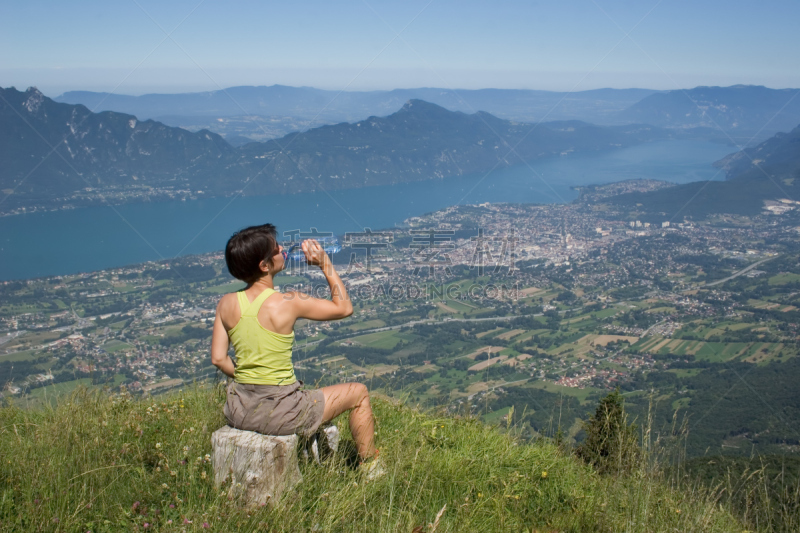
[94,238]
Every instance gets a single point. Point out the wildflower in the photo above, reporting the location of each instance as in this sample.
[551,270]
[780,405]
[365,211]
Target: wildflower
[169,521]
[173,473]
[544,474]
[203,475]
[158,469]
[164,486]
[205,525]
[187,521]
[146,525]
[480,495]
[172,506]
[158,445]
[135,505]
[191,429]
[185,449]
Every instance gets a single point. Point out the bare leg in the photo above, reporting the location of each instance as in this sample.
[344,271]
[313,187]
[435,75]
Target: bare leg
[347,396]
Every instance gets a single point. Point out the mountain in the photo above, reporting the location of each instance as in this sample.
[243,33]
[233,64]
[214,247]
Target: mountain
[95,150]
[114,151]
[422,141]
[778,157]
[769,171]
[307,103]
[741,111]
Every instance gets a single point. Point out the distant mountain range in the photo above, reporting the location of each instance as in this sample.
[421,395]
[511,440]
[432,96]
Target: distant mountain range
[769,171]
[115,151]
[740,111]
[307,103]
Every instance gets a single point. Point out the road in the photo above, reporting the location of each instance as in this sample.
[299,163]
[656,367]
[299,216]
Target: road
[742,271]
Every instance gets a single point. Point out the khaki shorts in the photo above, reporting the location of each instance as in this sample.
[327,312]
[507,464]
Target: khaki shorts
[274,409]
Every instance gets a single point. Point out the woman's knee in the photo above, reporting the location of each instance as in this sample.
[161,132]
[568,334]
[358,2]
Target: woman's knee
[359,394]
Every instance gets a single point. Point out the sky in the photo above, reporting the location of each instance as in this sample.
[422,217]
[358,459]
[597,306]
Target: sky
[142,46]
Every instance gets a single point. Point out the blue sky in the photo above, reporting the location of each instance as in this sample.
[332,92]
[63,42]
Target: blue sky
[570,45]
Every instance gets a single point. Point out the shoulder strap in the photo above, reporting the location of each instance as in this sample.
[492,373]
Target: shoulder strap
[251,308]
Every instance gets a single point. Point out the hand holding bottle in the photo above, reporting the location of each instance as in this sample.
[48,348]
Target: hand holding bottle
[315,253]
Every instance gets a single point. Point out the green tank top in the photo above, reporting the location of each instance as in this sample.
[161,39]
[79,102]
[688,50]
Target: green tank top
[263,357]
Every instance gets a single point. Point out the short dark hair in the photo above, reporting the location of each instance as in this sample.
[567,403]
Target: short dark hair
[247,248]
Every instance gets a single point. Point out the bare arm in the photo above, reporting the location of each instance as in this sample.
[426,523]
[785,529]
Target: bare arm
[219,346]
[339,306]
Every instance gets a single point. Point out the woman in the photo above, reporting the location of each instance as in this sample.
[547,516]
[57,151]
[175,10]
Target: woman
[264,395]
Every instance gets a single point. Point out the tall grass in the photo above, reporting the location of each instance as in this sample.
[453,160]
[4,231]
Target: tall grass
[100,463]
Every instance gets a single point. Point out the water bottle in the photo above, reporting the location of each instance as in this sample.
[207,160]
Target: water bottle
[294,252]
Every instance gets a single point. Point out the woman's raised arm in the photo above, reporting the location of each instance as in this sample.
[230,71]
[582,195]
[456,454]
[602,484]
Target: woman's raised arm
[339,306]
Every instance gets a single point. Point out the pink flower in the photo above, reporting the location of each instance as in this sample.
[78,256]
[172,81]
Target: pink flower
[135,505]
[146,525]
[205,525]
[187,521]
[172,506]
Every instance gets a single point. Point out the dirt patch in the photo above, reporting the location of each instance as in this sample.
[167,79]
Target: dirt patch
[603,340]
[477,387]
[163,385]
[514,361]
[508,334]
[381,370]
[660,345]
[485,349]
[530,290]
[484,333]
[445,307]
[692,350]
[486,364]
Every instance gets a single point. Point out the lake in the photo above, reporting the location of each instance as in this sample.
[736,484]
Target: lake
[94,238]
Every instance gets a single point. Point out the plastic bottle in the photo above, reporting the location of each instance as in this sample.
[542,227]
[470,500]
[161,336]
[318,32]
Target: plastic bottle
[294,252]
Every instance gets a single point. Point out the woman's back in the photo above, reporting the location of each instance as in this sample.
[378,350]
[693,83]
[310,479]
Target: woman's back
[263,357]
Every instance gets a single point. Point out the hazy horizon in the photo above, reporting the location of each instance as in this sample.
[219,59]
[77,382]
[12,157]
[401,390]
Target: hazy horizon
[146,47]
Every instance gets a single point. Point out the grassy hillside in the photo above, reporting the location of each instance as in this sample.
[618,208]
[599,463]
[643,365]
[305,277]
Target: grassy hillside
[99,463]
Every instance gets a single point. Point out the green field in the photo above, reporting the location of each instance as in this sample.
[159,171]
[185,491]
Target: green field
[116,346]
[382,339]
[784,278]
[233,286]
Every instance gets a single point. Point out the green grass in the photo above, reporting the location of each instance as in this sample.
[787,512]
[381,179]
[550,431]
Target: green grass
[233,286]
[115,346]
[366,324]
[784,278]
[100,463]
[382,339]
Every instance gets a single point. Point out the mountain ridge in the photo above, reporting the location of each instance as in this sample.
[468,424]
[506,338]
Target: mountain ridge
[110,150]
[740,111]
[768,171]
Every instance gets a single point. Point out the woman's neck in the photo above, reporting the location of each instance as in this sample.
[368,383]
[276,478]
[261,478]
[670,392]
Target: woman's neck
[261,284]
